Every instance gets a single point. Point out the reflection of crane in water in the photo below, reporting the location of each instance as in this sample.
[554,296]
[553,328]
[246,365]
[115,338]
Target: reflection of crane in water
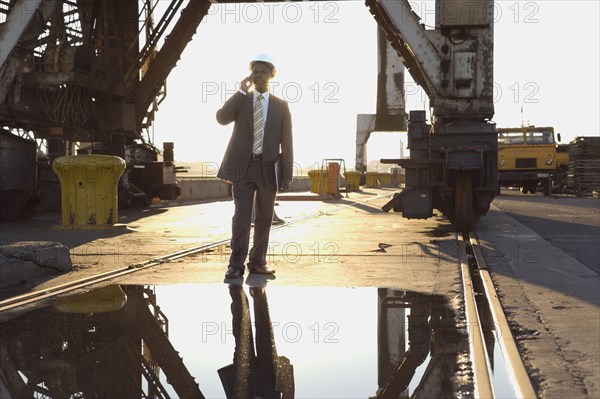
[108,343]
[431,333]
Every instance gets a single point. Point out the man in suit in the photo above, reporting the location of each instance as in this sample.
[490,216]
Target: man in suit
[259,160]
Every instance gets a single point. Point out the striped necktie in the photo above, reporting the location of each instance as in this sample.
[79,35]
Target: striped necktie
[258,125]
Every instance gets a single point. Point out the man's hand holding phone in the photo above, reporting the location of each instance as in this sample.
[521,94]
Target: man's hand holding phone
[246,84]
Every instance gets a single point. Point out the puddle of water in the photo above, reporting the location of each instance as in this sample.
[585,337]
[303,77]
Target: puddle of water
[308,342]
[501,380]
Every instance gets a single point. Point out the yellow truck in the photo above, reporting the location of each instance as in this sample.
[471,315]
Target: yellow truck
[527,158]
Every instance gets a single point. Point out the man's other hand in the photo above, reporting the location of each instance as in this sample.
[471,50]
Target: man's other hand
[284,186]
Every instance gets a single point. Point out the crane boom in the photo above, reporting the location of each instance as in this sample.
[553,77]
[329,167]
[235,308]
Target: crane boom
[453,62]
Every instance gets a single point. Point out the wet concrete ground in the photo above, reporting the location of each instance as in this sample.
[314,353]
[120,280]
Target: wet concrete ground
[552,302]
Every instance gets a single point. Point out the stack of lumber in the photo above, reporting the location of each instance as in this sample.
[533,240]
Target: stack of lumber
[584,164]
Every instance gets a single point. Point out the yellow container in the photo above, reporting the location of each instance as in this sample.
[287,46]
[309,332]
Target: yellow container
[313,175]
[318,181]
[385,179]
[371,179]
[88,186]
[322,181]
[352,180]
[395,176]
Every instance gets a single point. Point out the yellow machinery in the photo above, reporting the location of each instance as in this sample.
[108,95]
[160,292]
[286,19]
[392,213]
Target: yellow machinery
[527,158]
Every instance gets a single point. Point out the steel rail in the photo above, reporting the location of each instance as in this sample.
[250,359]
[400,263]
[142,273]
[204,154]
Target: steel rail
[519,377]
[482,377]
[38,295]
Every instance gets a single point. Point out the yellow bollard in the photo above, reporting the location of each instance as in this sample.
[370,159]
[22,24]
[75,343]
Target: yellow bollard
[103,299]
[395,176]
[313,175]
[352,180]
[372,179]
[88,186]
[385,179]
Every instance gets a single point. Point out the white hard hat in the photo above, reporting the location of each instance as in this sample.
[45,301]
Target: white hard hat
[266,59]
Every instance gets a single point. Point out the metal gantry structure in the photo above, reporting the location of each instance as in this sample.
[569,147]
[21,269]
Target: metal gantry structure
[89,70]
[93,71]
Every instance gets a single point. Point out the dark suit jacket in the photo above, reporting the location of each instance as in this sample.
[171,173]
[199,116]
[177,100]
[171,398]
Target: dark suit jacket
[277,140]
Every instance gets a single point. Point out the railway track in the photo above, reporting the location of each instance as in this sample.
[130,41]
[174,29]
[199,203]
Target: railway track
[477,282]
[39,295]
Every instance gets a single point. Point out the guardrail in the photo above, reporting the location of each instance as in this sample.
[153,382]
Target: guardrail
[212,188]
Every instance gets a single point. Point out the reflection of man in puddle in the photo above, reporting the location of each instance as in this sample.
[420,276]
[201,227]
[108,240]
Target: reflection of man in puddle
[260,374]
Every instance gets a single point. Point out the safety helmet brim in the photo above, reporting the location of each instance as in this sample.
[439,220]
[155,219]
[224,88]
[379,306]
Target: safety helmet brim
[265,59]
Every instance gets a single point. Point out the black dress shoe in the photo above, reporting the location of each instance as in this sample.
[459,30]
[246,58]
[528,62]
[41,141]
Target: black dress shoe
[233,272]
[261,270]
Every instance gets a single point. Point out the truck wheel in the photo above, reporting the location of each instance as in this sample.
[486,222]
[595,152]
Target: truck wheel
[533,188]
[546,188]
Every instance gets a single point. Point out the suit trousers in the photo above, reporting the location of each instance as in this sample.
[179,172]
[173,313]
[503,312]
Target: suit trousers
[255,181]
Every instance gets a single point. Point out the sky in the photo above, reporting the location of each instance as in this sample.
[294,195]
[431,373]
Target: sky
[546,63]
